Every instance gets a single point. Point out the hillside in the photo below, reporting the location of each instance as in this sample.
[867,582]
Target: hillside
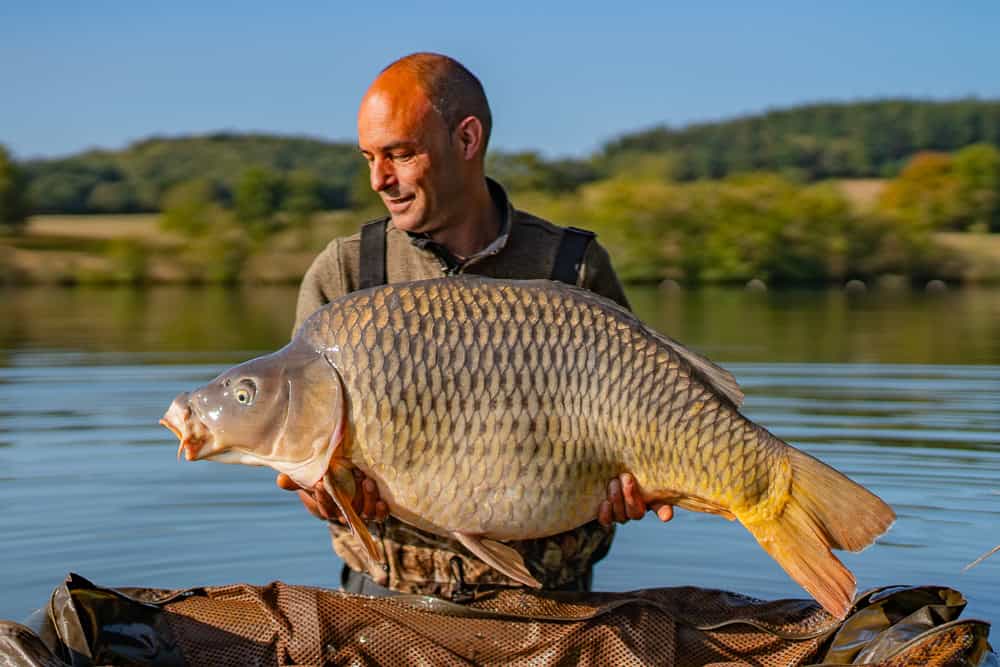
[814,142]
[134,179]
[843,140]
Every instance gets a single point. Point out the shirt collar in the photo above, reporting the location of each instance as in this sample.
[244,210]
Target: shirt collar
[502,202]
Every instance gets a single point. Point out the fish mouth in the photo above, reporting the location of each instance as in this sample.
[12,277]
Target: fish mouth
[183,423]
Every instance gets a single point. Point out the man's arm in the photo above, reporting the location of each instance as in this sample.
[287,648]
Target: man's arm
[323,282]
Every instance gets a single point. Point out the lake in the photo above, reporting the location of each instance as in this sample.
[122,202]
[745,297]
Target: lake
[899,389]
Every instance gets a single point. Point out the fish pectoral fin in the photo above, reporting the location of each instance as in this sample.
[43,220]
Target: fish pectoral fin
[334,483]
[499,556]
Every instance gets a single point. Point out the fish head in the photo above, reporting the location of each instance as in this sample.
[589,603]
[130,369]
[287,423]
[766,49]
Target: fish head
[284,410]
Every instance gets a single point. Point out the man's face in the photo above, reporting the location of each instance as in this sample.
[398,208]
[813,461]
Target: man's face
[414,166]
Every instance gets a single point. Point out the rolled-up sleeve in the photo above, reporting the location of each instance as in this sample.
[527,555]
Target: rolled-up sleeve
[323,282]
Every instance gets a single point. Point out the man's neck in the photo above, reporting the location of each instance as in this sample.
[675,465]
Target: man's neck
[478,226]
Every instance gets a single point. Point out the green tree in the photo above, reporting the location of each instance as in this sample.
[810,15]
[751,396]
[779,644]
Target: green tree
[189,208]
[925,194]
[977,170]
[302,196]
[13,200]
[256,200]
[111,197]
[301,202]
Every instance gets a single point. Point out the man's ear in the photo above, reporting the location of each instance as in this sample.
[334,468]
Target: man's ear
[469,137]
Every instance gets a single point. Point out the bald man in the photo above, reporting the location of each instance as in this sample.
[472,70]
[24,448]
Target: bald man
[423,127]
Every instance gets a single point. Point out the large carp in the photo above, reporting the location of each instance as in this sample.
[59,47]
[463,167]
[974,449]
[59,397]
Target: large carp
[491,410]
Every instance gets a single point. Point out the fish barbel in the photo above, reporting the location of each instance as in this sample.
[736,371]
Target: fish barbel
[490,410]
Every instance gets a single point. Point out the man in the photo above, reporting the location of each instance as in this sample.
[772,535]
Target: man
[423,127]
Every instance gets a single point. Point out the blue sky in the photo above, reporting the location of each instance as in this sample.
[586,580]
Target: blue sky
[562,77]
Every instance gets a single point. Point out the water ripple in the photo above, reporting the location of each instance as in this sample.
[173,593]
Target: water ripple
[89,482]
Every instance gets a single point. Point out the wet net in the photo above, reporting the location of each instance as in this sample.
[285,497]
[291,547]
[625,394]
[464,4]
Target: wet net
[280,624]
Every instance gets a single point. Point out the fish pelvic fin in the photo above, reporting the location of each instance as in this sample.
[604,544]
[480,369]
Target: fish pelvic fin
[825,510]
[339,483]
[499,556]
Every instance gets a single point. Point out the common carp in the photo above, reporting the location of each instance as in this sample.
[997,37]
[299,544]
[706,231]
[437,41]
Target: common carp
[490,410]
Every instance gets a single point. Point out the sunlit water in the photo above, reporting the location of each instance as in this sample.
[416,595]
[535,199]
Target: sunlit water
[900,391]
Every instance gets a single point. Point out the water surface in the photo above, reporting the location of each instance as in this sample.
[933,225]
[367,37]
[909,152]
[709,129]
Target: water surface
[900,390]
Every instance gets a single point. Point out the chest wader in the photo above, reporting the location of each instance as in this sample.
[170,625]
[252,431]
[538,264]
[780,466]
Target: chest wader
[566,268]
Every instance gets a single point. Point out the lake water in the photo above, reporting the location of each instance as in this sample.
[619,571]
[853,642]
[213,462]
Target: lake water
[900,390]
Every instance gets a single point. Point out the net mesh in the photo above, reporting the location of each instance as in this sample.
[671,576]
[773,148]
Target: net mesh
[279,624]
[240,625]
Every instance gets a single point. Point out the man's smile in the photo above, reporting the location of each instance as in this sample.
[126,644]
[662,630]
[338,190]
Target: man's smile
[398,204]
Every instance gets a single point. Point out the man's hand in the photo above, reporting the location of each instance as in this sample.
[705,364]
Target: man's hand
[319,503]
[625,502]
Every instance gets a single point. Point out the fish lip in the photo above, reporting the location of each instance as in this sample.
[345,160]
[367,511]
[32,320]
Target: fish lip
[181,419]
[173,429]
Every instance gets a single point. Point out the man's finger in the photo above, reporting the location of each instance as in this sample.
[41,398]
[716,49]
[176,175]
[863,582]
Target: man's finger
[664,511]
[381,511]
[285,482]
[327,505]
[617,502]
[310,504]
[634,505]
[604,514]
[370,493]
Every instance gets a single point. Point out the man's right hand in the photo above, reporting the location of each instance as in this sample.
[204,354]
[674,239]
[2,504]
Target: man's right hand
[319,503]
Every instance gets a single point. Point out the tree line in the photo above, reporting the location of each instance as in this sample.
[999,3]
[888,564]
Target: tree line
[805,143]
[817,141]
[138,178]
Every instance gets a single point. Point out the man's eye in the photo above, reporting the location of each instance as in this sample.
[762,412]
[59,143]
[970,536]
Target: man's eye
[402,157]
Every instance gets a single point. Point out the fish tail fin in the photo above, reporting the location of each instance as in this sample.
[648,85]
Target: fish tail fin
[825,510]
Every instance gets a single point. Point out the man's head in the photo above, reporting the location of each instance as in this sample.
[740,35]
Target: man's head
[423,126]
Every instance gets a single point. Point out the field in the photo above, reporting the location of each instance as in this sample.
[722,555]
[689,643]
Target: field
[862,192]
[95,249]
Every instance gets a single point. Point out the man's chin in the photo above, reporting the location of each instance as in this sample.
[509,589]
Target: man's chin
[408,221]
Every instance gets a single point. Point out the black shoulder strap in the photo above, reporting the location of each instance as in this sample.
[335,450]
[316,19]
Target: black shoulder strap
[373,254]
[569,256]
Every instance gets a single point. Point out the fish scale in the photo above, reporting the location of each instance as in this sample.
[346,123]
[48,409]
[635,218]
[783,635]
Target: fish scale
[606,351]
[490,410]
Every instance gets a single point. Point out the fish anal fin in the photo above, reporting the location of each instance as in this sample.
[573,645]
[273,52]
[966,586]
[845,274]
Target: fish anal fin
[699,505]
[339,483]
[690,503]
[499,556]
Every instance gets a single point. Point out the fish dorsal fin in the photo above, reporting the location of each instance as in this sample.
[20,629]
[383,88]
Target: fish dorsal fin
[715,376]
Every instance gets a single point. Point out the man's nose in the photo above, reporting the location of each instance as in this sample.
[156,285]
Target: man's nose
[381,174]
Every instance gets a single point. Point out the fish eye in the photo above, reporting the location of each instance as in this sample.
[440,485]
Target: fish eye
[245,392]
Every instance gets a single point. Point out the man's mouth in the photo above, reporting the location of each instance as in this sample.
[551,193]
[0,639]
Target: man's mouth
[398,204]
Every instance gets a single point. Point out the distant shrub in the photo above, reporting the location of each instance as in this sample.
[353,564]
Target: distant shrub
[190,209]
[13,195]
[129,261]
